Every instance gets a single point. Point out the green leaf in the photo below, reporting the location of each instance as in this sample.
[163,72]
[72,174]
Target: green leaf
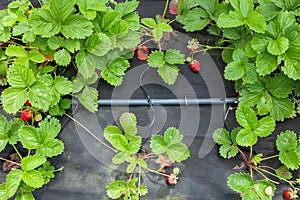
[197,19]
[61,8]
[250,75]
[62,85]
[132,20]
[286,141]
[157,144]
[89,8]
[62,57]
[110,131]
[164,27]
[13,99]
[278,46]
[49,128]
[291,61]
[233,19]
[239,182]
[228,151]
[280,86]
[265,104]
[114,73]
[134,144]
[29,137]
[120,157]
[168,73]
[55,42]
[257,158]
[260,42]
[265,127]
[282,108]
[33,178]
[289,159]
[150,22]
[246,138]
[221,136]
[234,71]
[77,26]
[172,136]
[178,152]
[174,57]
[98,44]
[38,95]
[266,63]
[268,10]
[128,122]
[128,41]
[143,190]
[25,196]
[50,148]
[89,98]
[85,63]
[207,4]
[16,51]
[126,7]
[246,117]
[47,171]
[115,189]
[256,22]
[119,142]
[13,181]
[283,173]
[31,162]
[36,56]
[3,195]
[12,134]
[109,19]
[20,76]
[131,167]
[156,59]
[157,34]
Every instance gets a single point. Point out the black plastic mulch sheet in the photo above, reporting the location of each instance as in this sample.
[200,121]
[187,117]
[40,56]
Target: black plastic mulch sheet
[87,164]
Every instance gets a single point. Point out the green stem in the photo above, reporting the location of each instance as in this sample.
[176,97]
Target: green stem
[165,10]
[262,174]
[113,2]
[173,20]
[139,177]
[155,172]
[270,157]
[20,156]
[264,166]
[10,161]
[92,134]
[58,170]
[275,175]
[40,2]
[251,151]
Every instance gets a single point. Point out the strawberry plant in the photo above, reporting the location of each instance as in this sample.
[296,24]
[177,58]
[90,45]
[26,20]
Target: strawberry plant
[259,41]
[128,147]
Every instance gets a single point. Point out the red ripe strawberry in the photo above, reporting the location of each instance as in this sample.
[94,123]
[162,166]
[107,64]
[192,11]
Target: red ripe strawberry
[3,44]
[142,53]
[171,179]
[173,7]
[27,103]
[288,194]
[26,115]
[195,65]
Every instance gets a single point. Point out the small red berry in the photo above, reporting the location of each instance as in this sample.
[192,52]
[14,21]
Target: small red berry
[171,179]
[3,44]
[195,65]
[142,53]
[288,194]
[27,103]
[26,115]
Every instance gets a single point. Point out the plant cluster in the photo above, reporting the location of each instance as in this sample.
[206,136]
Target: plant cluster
[94,39]
[166,150]
[259,42]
